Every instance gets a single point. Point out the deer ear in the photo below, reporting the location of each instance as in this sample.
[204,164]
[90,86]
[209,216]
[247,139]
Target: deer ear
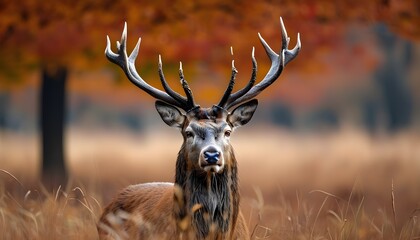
[243,113]
[170,114]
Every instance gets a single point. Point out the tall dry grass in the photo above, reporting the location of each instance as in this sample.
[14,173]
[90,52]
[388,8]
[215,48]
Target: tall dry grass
[39,214]
[341,185]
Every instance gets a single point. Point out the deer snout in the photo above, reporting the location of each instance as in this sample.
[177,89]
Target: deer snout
[211,156]
[211,159]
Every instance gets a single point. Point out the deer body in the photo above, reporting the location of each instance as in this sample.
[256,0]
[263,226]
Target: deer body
[144,201]
[203,203]
[152,205]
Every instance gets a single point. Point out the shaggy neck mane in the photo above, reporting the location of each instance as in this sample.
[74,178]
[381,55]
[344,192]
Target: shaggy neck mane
[216,194]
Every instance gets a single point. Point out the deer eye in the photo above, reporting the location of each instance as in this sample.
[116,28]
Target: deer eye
[189,134]
[227,133]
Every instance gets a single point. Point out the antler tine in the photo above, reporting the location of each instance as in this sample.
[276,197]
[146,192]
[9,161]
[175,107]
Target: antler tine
[278,62]
[166,86]
[227,94]
[186,87]
[250,84]
[127,64]
[289,54]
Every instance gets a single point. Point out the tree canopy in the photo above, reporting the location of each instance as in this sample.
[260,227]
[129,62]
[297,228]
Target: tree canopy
[72,33]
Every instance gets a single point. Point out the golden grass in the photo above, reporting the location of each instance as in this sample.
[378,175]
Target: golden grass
[38,214]
[328,216]
[342,185]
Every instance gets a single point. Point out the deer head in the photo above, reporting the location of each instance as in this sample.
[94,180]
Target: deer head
[206,131]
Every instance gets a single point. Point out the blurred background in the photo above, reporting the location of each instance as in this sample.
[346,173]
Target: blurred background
[345,110]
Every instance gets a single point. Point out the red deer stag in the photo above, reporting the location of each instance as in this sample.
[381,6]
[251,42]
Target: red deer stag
[204,201]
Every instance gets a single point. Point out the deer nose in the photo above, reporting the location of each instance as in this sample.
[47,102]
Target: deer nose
[211,157]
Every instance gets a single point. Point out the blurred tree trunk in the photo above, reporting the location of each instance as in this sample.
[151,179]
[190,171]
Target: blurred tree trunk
[52,107]
[392,78]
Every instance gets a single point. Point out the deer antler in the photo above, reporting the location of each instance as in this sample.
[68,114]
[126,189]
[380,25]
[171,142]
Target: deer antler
[278,62]
[127,64]
[229,99]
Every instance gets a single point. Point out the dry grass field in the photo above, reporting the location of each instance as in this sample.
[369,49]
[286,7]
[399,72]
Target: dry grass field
[337,185]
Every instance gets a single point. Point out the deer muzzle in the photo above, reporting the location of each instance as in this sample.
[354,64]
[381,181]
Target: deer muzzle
[211,159]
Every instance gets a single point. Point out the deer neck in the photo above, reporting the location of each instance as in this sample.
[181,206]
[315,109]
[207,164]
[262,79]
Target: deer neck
[209,200]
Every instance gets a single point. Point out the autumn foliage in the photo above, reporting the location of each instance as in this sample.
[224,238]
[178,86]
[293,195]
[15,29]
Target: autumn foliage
[73,32]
